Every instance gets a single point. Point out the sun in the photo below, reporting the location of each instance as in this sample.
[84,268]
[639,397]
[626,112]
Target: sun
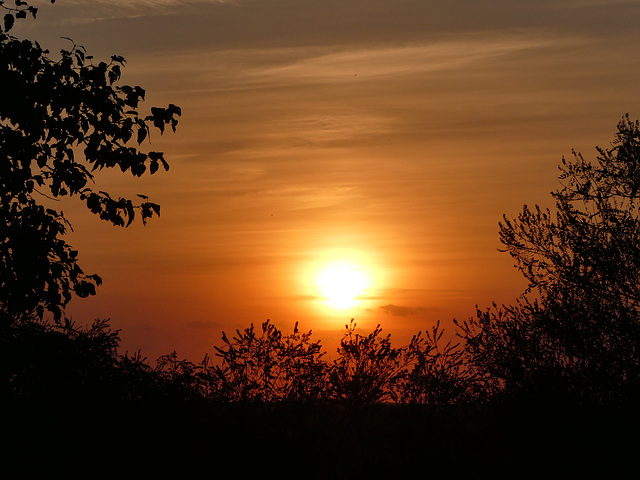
[341,284]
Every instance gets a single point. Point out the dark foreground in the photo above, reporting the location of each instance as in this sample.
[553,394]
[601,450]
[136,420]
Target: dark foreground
[319,441]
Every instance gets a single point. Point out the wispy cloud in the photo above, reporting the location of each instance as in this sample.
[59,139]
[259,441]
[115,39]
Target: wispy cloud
[89,11]
[144,4]
[245,67]
[368,63]
[399,311]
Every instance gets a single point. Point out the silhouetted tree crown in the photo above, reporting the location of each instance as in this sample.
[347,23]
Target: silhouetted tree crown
[62,120]
[591,242]
[580,338]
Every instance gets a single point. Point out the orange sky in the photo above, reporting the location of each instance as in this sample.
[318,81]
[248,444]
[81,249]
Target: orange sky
[391,133]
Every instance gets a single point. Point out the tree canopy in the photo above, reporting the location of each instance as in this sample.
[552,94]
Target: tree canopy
[591,243]
[62,120]
[579,335]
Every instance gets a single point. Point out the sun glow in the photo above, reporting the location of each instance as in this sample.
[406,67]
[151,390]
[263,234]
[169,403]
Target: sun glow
[341,284]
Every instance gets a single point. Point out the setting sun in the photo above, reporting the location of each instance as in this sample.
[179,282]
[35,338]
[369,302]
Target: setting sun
[341,284]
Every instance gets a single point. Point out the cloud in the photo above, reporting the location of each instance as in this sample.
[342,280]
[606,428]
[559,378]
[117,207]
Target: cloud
[232,69]
[367,63]
[143,4]
[399,311]
[90,11]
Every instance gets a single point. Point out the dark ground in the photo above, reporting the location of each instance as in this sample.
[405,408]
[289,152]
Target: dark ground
[326,441]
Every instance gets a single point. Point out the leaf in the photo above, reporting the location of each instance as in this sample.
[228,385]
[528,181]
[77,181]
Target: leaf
[8,22]
[85,289]
[114,74]
[138,169]
[130,211]
[79,57]
[159,124]
[93,203]
[142,134]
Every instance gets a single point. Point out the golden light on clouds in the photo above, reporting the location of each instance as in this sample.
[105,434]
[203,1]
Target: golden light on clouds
[397,61]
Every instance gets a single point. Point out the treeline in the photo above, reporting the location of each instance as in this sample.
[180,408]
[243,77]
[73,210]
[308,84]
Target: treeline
[268,401]
[58,362]
[61,361]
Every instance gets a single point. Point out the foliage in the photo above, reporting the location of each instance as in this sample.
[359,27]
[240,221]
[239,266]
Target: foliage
[60,359]
[61,121]
[62,362]
[269,367]
[180,380]
[580,339]
[557,349]
[368,367]
[56,361]
[369,370]
[591,243]
[440,374]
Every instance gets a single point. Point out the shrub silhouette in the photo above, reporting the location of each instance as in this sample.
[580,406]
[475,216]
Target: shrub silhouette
[557,350]
[58,362]
[62,363]
[48,360]
[439,373]
[368,368]
[268,367]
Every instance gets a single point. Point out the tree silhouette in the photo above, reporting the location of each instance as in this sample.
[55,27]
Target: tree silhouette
[591,243]
[580,338]
[61,120]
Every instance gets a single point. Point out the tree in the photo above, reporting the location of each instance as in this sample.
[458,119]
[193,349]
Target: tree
[591,244]
[61,120]
[580,338]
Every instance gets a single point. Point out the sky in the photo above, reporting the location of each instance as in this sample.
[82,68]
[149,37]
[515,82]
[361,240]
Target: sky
[388,135]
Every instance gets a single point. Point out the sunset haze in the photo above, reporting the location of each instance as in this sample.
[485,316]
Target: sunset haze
[391,135]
